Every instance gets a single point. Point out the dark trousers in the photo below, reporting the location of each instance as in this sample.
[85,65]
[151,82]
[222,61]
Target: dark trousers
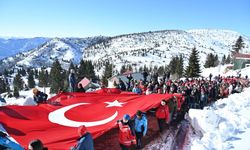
[139,136]
[161,124]
[123,147]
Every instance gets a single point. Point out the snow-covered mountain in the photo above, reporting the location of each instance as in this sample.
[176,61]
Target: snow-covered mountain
[150,48]
[157,48]
[11,46]
[63,49]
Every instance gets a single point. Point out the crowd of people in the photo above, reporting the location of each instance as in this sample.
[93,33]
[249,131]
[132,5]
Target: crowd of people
[196,93]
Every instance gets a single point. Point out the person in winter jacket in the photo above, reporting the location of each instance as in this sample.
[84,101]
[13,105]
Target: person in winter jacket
[72,81]
[162,115]
[85,142]
[126,132]
[141,126]
[39,97]
[121,85]
[137,90]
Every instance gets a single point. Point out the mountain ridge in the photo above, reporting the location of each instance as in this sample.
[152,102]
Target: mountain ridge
[153,48]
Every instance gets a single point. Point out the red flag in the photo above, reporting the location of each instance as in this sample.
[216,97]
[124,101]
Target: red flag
[56,125]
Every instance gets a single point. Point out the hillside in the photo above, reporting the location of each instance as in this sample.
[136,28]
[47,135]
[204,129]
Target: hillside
[138,49]
[12,46]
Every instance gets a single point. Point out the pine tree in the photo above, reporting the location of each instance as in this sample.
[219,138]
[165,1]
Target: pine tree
[3,85]
[179,67]
[172,65]
[223,60]
[107,73]
[81,73]
[36,73]
[31,81]
[16,92]
[228,60]
[43,78]
[239,44]
[56,77]
[71,66]
[90,70]
[209,61]
[193,68]
[123,69]
[216,61]
[18,82]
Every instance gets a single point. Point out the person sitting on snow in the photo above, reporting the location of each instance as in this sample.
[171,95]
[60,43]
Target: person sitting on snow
[39,97]
[126,132]
[141,126]
[85,142]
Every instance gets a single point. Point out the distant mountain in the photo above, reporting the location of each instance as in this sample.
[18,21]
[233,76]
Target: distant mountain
[149,48]
[11,46]
[157,48]
[63,49]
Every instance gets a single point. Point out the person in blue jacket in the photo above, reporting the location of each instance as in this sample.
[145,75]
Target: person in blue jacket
[85,142]
[6,143]
[141,126]
[136,89]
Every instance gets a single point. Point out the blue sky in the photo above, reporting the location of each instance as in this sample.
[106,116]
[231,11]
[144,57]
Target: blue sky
[82,18]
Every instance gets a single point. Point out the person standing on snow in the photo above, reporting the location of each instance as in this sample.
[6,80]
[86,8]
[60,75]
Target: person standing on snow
[162,115]
[85,142]
[72,81]
[126,132]
[141,126]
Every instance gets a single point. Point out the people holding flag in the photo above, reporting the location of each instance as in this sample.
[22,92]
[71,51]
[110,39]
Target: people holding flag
[141,126]
[85,142]
[162,115]
[126,132]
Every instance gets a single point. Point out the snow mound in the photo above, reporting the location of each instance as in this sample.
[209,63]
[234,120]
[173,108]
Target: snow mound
[223,125]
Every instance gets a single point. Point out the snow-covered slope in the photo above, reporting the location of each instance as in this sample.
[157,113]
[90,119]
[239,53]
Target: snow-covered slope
[12,46]
[63,49]
[157,48]
[138,49]
[225,125]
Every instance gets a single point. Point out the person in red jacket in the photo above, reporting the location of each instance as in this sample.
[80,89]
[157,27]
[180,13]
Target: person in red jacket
[162,115]
[126,132]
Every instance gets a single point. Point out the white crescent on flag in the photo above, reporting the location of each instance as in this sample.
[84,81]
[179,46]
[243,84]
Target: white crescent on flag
[58,117]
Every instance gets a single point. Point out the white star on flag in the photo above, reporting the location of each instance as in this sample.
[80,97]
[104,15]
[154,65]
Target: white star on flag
[114,104]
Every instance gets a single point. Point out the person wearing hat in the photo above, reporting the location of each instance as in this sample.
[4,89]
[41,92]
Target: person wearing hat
[85,142]
[162,115]
[141,126]
[126,132]
[39,97]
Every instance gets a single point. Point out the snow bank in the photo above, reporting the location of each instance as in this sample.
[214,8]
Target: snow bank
[25,99]
[224,125]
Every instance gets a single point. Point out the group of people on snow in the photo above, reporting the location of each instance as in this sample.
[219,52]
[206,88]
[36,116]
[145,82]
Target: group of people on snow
[196,93]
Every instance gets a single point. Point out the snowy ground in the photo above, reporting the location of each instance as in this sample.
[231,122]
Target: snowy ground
[26,97]
[224,125]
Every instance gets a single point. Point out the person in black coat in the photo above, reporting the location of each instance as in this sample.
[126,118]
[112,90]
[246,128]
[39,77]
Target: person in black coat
[39,97]
[85,142]
[72,81]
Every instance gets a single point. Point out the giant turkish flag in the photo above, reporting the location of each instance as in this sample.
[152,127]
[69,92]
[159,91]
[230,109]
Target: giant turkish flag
[56,124]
